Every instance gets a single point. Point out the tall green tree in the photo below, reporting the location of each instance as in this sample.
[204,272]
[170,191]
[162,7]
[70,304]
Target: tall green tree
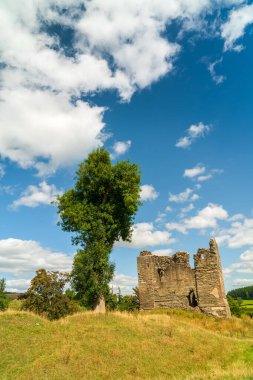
[99,210]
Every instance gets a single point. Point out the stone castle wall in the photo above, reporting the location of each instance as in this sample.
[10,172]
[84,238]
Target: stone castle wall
[170,283]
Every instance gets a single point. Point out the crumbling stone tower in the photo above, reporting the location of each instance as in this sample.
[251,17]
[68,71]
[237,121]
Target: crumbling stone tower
[170,283]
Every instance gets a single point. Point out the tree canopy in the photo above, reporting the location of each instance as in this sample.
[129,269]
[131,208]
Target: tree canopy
[99,210]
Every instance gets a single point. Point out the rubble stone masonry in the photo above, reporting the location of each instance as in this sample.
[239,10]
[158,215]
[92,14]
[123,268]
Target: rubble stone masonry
[170,283]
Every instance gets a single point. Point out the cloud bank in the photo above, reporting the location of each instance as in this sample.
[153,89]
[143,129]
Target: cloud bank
[46,119]
[19,257]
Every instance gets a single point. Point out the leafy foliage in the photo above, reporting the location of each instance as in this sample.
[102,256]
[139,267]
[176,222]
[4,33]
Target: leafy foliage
[111,301]
[234,306]
[245,293]
[91,274]
[46,296]
[3,298]
[99,210]
[119,302]
[129,302]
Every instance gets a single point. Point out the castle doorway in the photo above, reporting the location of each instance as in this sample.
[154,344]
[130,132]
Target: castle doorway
[192,299]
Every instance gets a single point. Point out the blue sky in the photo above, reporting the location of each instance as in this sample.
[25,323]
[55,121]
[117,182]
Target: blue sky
[167,85]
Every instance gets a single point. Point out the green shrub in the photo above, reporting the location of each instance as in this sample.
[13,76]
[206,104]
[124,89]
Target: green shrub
[46,296]
[111,301]
[234,306]
[129,302]
[3,298]
[3,303]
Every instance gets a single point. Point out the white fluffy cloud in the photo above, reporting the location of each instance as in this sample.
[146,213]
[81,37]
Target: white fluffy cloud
[39,125]
[161,217]
[192,134]
[194,172]
[203,178]
[130,33]
[162,252]
[240,267]
[17,285]
[208,217]
[236,217]
[174,226]
[184,196]
[188,208]
[243,281]
[148,193]
[120,147]
[218,79]
[243,267]
[20,257]
[234,28]
[200,173]
[42,124]
[145,235]
[239,234]
[247,255]
[33,196]
[37,57]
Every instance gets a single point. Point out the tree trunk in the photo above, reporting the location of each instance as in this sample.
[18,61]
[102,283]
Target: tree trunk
[100,307]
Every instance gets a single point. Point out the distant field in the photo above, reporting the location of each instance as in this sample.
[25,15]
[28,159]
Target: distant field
[247,304]
[247,307]
[166,345]
[13,296]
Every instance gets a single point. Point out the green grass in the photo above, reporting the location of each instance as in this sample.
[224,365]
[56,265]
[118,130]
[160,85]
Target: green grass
[247,304]
[247,307]
[156,345]
[15,305]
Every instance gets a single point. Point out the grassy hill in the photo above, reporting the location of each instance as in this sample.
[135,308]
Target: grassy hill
[165,345]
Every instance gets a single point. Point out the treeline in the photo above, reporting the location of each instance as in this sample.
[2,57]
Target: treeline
[245,293]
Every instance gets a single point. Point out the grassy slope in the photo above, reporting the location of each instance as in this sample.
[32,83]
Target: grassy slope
[120,346]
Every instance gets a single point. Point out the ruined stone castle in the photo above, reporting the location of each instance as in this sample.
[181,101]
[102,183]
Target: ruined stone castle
[170,283]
